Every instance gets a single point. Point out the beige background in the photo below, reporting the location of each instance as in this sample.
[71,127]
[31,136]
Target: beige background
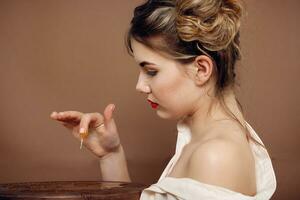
[69,55]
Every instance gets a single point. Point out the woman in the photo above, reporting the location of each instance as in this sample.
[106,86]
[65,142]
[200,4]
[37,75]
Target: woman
[187,50]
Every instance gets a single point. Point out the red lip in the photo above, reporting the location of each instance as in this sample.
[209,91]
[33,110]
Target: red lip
[153,105]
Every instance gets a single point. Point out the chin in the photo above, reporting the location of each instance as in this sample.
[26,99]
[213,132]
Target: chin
[167,116]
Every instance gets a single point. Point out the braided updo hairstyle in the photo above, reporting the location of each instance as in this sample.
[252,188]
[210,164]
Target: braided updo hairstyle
[185,29]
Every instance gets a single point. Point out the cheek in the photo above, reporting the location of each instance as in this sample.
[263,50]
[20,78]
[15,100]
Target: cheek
[166,87]
[172,92]
[175,102]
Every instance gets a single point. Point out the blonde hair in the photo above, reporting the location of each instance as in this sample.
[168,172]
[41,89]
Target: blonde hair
[185,29]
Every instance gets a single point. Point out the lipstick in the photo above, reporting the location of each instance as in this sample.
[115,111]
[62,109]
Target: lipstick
[153,105]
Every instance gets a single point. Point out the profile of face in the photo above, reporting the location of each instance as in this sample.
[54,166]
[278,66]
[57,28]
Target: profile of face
[166,82]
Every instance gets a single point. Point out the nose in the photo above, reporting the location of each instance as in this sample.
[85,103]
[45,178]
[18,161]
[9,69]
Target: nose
[142,85]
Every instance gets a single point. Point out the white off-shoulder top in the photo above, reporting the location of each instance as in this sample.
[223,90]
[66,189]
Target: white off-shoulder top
[170,188]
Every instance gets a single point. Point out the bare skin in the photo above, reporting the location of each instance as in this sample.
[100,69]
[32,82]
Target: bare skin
[186,92]
[103,141]
[218,154]
[223,158]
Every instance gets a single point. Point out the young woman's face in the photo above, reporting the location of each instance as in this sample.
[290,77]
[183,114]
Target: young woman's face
[165,82]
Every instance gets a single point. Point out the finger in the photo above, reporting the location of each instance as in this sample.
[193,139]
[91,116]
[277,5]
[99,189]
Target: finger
[108,113]
[108,118]
[68,125]
[71,123]
[90,120]
[67,116]
[53,115]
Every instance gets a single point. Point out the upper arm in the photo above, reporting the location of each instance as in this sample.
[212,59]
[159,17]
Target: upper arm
[217,162]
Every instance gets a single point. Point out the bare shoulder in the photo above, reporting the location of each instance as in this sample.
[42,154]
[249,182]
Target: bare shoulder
[223,162]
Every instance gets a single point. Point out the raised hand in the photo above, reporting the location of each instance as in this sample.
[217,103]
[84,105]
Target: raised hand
[102,138]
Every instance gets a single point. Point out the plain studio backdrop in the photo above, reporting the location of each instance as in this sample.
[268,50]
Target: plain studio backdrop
[70,55]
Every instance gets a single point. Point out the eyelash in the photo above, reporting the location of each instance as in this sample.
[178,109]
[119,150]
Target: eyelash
[152,73]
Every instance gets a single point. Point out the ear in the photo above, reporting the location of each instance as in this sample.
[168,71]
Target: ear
[204,66]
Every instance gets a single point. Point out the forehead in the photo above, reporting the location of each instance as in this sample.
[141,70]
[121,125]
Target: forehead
[143,53]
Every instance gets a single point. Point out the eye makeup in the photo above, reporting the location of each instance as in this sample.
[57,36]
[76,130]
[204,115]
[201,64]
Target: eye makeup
[151,72]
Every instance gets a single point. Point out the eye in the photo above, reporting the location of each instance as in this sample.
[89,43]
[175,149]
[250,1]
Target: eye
[152,73]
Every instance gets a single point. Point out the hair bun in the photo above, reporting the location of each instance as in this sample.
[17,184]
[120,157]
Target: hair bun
[214,23]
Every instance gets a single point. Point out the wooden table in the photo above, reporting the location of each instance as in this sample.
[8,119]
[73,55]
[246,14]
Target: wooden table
[99,190]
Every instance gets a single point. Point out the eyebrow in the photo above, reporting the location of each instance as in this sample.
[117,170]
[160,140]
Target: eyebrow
[142,64]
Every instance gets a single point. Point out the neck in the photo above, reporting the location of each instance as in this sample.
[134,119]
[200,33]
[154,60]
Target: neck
[211,111]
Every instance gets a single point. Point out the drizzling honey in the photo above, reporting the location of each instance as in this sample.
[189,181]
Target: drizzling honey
[82,137]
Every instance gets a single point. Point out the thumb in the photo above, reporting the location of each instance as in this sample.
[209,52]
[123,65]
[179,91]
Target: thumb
[109,122]
[108,113]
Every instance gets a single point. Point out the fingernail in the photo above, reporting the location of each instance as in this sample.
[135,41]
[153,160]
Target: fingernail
[82,130]
[113,108]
